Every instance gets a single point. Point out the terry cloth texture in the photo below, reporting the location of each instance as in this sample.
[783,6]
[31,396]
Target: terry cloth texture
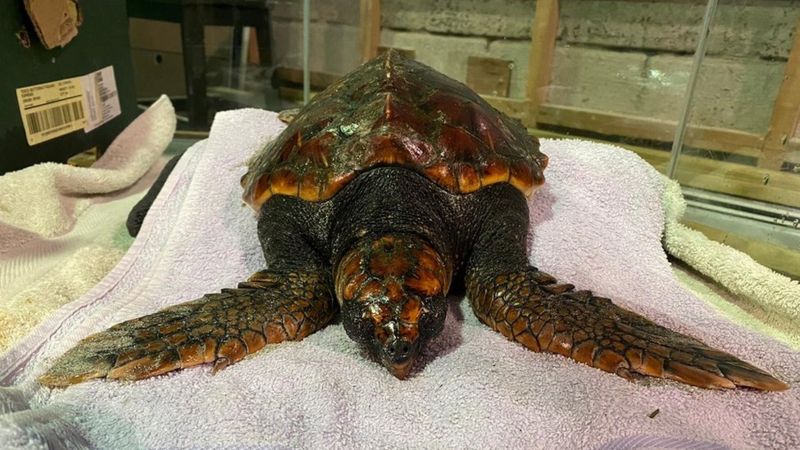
[769,296]
[598,223]
[46,199]
[62,228]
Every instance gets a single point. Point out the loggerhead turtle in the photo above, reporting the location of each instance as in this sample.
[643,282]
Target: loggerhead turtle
[392,188]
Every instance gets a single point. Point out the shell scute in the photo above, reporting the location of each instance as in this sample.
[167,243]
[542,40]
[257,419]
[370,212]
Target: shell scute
[397,113]
[468,178]
[460,144]
[394,111]
[386,150]
[452,108]
[444,175]
[494,170]
[316,150]
[309,186]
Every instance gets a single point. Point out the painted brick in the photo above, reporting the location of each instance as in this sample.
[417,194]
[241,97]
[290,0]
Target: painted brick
[494,18]
[447,54]
[333,48]
[731,93]
[759,29]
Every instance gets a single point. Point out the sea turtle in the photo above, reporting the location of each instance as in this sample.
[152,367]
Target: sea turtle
[394,187]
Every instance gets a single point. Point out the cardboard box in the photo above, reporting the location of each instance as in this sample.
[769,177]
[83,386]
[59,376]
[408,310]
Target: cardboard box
[158,55]
[102,41]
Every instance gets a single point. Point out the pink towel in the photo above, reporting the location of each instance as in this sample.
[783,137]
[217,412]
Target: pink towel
[597,223]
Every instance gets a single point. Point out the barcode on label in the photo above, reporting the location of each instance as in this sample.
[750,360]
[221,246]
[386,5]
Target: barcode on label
[48,119]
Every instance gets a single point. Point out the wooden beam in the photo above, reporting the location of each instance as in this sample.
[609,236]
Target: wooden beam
[785,112]
[728,178]
[544,32]
[718,176]
[370,28]
[615,124]
[793,151]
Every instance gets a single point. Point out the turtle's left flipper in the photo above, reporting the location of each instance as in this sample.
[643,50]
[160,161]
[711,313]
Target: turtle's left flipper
[529,307]
[221,328]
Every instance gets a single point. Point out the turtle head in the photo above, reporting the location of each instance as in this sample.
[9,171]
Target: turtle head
[392,295]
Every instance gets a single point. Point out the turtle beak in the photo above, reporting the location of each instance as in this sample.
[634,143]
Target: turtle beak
[398,356]
[400,371]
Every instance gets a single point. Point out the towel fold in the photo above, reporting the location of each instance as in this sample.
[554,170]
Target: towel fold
[62,228]
[47,198]
[597,223]
[772,297]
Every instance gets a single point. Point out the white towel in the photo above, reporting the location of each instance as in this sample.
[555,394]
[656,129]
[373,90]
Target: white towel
[47,198]
[598,223]
[775,298]
[62,228]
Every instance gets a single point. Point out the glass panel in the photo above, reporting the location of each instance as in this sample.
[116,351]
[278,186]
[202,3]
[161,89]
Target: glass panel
[334,44]
[614,76]
[472,41]
[209,56]
[737,164]
[483,44]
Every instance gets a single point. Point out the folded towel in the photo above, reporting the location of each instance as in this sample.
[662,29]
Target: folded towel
[598,223]
[62,227]
[47,198]
[772,297]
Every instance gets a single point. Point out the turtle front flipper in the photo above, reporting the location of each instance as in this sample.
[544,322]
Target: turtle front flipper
[220,328]
[528,306]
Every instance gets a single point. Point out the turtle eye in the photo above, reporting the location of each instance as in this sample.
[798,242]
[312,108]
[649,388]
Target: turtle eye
[432,315]
[357,322]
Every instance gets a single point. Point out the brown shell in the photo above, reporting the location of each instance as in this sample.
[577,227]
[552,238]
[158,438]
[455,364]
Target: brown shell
[394,111]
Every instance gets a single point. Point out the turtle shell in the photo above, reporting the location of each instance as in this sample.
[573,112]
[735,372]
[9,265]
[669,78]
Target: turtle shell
[394,111]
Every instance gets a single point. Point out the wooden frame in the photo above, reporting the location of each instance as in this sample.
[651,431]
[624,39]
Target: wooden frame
[785,112]
[544,32]
[771,149]
[765,182]
[370,30]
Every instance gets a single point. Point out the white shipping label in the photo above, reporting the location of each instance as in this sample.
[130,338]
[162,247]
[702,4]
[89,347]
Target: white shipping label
[50,110]
[100,97]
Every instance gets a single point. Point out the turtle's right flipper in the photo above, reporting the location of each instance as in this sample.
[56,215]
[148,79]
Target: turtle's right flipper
[529,307]
[218,328]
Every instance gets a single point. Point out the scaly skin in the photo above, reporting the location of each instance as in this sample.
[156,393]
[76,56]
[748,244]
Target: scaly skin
[528,307]
[219,328]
